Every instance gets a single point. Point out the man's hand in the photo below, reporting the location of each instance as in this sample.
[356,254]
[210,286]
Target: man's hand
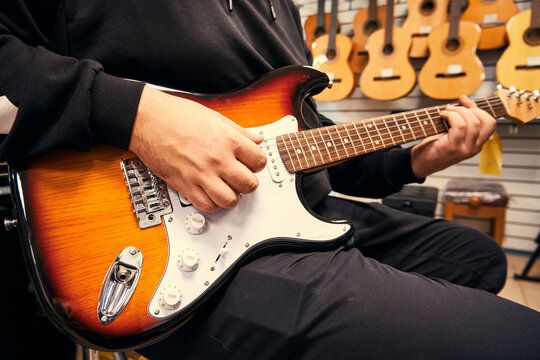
[205,156]
[470,128]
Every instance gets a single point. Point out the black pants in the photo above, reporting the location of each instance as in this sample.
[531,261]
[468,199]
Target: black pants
[405,287]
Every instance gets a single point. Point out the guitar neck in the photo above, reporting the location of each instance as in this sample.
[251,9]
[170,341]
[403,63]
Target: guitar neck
[322,147]
[333,27]
[389,23]
[372,10]
[535,14]
[320,14]
[453,19]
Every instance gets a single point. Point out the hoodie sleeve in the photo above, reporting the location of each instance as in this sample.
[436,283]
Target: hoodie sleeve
[62,102]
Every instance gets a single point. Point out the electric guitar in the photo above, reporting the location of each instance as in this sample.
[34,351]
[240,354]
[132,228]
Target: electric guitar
[365,22]
[423,15]
[330,54]
[119,259]
[492,16]
[452,68]
[388,74]
[519,65]
[317,24]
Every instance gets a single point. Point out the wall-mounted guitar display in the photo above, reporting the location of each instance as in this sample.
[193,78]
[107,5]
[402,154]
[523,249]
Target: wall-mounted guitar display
[519,65]
[317,24]
[453,68]
[388,74]
[365,22]
[492,16]
[330,54]
[422,17]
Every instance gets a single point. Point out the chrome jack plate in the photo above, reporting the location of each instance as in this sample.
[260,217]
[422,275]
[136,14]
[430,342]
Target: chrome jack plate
[119,284]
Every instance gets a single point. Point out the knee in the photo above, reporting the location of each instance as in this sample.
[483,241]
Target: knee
[493,276]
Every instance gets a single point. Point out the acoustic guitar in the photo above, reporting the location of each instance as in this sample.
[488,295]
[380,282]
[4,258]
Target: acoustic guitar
[119,259]
[388,74]
[365,22]
[330,54]
[492,16]
[317,24]
[519,65]
[452,68]
[422,16]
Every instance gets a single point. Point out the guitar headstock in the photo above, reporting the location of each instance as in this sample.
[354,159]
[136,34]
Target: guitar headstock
[521,106]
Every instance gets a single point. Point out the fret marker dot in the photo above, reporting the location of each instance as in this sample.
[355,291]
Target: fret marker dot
[370,126]
[425,122]
[299,151]
[329,144]
[404,127]
[377,142]
[346,140]
[313,147]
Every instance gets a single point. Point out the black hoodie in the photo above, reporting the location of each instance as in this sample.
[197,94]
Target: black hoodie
[64,64]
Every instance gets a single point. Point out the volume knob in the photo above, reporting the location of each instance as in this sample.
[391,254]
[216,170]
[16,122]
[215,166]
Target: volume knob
[195,223]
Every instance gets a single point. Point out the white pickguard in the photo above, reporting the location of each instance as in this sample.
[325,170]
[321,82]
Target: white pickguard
[273,211]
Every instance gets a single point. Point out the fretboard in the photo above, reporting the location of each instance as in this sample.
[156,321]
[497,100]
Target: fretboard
[325,146]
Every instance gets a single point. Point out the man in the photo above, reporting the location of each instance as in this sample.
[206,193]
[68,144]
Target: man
[402,286]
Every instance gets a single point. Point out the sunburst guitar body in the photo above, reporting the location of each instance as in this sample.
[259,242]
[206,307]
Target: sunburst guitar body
[519,65]
[422,17]
[492,16]
[453,68]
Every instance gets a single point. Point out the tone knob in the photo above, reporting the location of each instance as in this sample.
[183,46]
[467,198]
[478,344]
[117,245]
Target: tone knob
[171,297]
[189,260]
[195,223]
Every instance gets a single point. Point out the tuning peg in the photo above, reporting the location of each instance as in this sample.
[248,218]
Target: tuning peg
[536,95]
[500,87]
[527,96]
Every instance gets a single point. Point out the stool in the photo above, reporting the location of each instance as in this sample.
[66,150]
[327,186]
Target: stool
[477,199]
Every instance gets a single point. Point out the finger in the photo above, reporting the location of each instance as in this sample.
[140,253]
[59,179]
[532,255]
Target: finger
[467,102]
[199,198]
[221,193]
[457,126]
[251,155]
[241,179]
[487,126]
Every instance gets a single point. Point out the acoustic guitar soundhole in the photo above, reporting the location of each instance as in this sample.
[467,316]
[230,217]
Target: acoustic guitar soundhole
[320,31]
[388,49]
[371,26]
[532,36]
[427,7]
[452,45]
[331,54]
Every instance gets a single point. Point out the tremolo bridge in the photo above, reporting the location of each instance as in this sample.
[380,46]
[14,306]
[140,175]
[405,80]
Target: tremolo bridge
[148,192]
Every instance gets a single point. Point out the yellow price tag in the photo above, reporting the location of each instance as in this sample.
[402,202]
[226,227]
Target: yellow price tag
[491,156]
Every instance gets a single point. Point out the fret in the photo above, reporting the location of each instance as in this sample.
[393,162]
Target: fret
[493,113]
[420,122]
[352,141]
[309,147]
[325,144]
[288,152]
[381,139]
[294,150]
[300,149]
[404,127]
[338,142]
[369,135]
[344,140]
[389,132]
[360,138]
[399,128]
[410,127]
[430,119]
[316,145]
[332,145]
